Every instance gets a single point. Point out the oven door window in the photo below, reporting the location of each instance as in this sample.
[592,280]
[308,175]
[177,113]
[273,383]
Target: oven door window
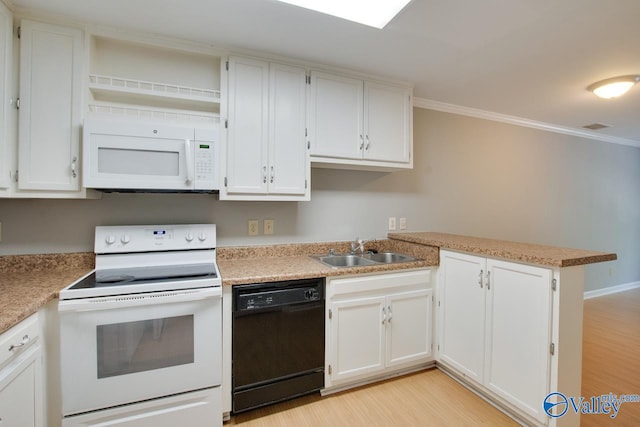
[145,345]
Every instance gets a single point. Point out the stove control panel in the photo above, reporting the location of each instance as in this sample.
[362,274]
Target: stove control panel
[149,238]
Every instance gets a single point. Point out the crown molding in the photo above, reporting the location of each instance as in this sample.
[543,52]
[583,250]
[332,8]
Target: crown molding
[519,121]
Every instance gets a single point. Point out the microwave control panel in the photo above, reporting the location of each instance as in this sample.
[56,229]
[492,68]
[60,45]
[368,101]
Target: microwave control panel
[206,159]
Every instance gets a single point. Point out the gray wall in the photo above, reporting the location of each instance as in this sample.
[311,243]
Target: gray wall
[471,176]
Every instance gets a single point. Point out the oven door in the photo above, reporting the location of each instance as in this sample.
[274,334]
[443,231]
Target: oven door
[125,155]
[124,349]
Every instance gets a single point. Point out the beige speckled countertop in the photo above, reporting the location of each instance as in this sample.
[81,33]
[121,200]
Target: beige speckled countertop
[524,252]
[28,282]
[258,264]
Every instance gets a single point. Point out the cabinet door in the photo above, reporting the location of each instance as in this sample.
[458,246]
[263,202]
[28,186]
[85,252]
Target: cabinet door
[336,116]
[462,313]
[50,107]
[518,334]
[247,135]
[357,338]
[387,112]
[408,327]
[21,391]
[288,159]
[6,28]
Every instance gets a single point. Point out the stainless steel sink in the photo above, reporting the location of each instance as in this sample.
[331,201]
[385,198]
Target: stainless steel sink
[353,260]
[389,257]
[345,260]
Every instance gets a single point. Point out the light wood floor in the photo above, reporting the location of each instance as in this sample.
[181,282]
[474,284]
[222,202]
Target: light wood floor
[611,363]
[611,354]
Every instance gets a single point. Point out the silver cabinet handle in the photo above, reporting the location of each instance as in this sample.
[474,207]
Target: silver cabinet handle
[488,277]
[384,315]
[390,314]
[22,343]
[480,278]
[272,175]
[264,174]
[366,147]
[361,142]
[74,165]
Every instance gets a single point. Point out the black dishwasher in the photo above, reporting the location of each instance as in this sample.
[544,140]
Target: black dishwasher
[278,341]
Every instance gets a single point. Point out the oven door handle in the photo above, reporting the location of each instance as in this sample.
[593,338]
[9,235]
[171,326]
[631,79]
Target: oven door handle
[138,300]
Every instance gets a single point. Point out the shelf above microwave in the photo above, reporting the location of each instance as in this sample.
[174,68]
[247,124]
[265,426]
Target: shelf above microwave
[108,88]
[135,112]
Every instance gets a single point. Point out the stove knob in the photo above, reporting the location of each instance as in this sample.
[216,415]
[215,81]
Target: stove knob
[125,239]
[110,239]
[202,237]
[188,237]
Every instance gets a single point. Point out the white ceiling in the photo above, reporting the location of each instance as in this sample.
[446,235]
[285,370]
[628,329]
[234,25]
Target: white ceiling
[531,59]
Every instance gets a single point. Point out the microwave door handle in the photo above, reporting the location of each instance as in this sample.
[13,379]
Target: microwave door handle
[189,161]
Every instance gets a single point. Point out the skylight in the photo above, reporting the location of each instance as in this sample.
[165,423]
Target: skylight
[374,13]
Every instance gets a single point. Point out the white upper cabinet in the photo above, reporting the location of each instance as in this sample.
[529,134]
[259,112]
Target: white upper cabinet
[248,123]
[387,123]
[265,156]
[51,60]
[359,123]
[6,27]
[288,152]
[336,116]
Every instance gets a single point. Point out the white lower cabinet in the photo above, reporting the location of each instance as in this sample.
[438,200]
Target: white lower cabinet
[376,325]
[495,327]
[21,386]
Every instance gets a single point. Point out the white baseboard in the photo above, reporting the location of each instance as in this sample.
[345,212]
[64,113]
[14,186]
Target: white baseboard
[611,290]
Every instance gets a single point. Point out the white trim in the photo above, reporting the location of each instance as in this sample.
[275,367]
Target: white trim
[519,121]
[611,290]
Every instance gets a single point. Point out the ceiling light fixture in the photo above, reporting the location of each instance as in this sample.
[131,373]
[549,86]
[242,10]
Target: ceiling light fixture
[613,87]
[374,13]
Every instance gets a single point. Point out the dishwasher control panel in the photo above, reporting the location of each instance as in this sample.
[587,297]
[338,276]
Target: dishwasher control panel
[254,297]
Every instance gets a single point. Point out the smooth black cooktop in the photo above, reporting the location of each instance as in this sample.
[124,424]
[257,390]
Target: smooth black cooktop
[141,275]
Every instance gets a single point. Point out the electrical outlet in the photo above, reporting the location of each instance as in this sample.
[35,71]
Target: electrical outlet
[392,223]
[253,227]
[403,223]
[268,226]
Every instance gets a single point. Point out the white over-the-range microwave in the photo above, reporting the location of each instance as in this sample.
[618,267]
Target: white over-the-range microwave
[123,155]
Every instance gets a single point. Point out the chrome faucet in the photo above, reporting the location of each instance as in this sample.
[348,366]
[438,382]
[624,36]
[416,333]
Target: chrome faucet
[358,244]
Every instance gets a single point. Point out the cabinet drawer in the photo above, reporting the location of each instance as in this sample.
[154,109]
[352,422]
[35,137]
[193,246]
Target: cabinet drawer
[24,332]
[377,282]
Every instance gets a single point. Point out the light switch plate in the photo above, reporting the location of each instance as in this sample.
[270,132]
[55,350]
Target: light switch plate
[253,227]
[268,226]
[403,223]
[392,223]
